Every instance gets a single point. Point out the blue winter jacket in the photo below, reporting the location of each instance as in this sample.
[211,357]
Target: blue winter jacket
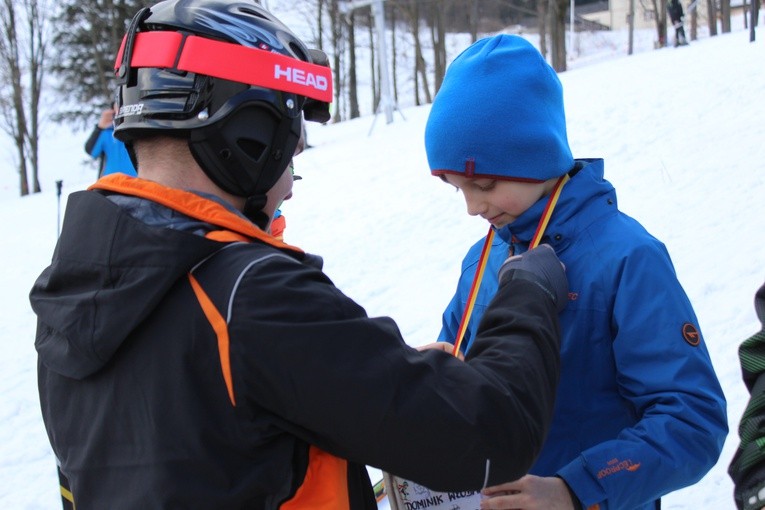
[639,410]
[117,158]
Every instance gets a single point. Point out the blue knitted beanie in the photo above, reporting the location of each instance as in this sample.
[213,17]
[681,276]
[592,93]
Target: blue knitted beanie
[499,113]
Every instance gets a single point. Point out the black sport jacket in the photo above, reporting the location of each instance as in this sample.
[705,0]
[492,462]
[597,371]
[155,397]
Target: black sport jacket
[226,371]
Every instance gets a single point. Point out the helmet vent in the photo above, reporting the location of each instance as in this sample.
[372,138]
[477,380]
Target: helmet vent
[247,10]
[299,52]
[252,148]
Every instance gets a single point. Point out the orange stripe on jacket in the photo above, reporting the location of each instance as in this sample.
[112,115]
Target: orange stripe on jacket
[187,203]
[325,486]
[220,327]
[277,227]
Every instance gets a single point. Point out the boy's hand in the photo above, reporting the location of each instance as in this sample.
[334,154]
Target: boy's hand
[529,493]
[441,346]
[542,267]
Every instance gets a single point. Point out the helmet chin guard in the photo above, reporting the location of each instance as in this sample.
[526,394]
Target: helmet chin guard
[228,77]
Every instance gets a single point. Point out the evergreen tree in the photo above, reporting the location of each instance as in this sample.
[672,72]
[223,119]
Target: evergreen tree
[87,37]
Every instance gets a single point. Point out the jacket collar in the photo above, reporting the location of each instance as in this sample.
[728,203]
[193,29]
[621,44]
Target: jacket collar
[581,200]
[231,225]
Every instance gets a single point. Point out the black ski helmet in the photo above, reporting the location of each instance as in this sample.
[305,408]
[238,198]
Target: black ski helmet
[227,76]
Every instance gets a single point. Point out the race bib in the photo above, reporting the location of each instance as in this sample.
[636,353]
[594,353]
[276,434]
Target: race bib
[407,495]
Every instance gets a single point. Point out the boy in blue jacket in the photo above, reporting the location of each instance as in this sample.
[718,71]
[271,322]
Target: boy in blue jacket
[639,410]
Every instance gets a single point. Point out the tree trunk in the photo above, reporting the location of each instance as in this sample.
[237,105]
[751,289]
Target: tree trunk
[393,51]
[754,14]
[320,24]
[13,114]
[420,68]
[414,25]
[374,77]
[473,18]
[558,34]
[660,17]
[36,71]
[438,36]
[424,77]
[725,16]
[694,23]
[631,23]
[336,30]
[542,26]
[353,92]
[712,17]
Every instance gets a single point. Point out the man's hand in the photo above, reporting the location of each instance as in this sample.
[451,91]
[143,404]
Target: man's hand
[107,119]
[542,267]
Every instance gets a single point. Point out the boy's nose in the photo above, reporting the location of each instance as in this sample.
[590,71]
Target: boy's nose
[474,207]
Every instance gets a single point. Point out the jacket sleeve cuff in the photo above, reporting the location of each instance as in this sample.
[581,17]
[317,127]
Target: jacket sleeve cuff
[574,500]
[582,485]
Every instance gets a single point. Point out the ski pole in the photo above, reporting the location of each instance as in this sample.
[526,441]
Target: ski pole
[59,184]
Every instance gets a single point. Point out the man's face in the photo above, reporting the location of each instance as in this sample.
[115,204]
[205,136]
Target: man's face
[282,190]
[279,192]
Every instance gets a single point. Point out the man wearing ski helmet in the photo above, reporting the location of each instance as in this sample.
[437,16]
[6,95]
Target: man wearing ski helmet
[175,369]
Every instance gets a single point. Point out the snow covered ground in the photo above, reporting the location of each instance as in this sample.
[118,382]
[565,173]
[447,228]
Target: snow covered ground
[683,135]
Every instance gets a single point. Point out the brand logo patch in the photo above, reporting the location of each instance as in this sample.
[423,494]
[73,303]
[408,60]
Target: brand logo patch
[615,466]
[301,77]
[691,334]
[130,109]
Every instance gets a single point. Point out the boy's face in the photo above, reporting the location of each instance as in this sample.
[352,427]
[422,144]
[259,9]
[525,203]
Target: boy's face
[498,202]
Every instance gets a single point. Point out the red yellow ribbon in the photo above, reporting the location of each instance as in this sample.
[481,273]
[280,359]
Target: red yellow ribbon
[484,258]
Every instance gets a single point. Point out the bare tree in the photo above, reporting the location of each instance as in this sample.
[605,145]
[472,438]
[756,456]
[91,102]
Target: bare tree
[394,49]
[694,20]
[631,23]
[336,32]
[659,8]
[474,14]
[22,59]
[542,26]
[754,14]
[37,45]
[411,9]
[353,91]
[320,24]
[712,17]
[725,16]
[438,37]
[374,75]
[558,10]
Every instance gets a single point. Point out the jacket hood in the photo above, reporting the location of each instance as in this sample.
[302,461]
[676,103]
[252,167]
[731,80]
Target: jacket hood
[108,273]
[110,269]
